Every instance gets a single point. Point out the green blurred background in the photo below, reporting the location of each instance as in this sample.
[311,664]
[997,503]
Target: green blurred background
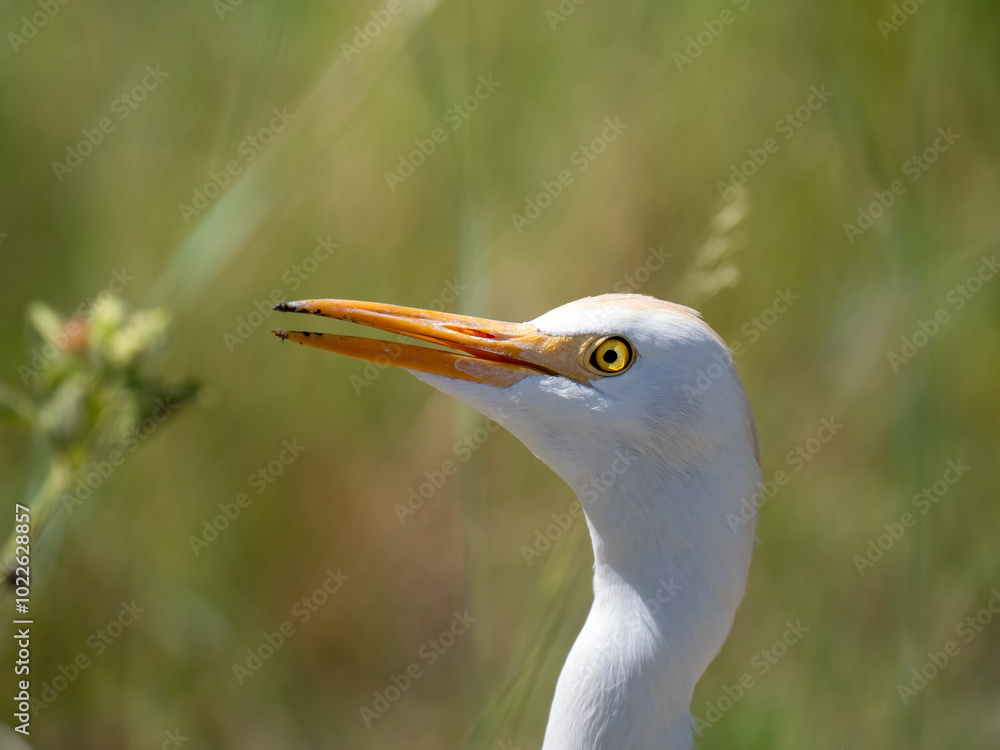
[350,116]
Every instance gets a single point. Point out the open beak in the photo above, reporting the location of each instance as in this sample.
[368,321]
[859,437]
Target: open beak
[486,351]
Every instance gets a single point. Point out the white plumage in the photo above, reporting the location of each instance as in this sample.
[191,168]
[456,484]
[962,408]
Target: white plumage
[671,443]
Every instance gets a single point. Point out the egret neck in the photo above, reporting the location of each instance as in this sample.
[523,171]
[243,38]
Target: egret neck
[637,405]
[667,582]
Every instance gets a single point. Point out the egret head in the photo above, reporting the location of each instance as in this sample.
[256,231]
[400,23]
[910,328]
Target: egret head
[637,405]
[586,387]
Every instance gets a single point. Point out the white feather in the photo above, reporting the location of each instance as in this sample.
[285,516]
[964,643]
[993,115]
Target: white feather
[671,446]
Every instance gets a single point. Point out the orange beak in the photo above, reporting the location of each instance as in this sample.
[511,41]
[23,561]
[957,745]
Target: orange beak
[488,351]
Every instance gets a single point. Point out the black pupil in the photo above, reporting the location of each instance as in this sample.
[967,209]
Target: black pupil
[610,356]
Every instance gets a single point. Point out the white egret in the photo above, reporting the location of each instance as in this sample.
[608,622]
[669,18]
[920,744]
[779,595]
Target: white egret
[636,404]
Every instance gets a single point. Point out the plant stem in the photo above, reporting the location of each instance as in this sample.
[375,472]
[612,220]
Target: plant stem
[42,504]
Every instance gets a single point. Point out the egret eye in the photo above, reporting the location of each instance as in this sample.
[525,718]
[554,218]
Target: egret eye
[611,356]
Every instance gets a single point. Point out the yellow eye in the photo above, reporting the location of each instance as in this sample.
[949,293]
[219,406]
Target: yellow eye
[611,356]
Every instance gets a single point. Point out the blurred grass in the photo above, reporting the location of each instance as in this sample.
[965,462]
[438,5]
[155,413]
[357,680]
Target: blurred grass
[656,185]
